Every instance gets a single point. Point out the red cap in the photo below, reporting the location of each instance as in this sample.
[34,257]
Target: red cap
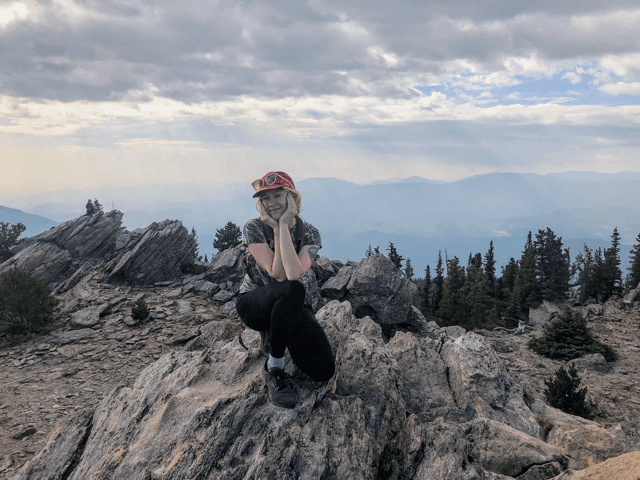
[270,181]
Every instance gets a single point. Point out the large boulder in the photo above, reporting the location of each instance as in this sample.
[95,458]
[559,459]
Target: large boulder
[378,289]
[160,252]
[226,266]
[390,411]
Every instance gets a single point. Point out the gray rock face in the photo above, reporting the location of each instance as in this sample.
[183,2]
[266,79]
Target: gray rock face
[538,317]
[161,252]
[335,288]
[630,297]
[60,255]
[402,409]
[226,266]
[377,288]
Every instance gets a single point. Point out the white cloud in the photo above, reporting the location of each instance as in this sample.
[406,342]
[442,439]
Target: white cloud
[621,65]
[13,12]
[573,77]
[622,88]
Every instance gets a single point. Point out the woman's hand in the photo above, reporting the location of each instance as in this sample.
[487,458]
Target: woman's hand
[288,218]
[266,218]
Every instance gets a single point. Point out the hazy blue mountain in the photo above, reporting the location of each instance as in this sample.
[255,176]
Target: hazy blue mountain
[419,215]
[35,223]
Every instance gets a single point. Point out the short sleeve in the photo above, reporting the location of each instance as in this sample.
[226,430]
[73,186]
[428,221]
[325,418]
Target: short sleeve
[253,232]
[313,238]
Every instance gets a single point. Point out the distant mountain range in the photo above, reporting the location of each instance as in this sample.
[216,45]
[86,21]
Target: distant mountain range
[420,216]
[34,223]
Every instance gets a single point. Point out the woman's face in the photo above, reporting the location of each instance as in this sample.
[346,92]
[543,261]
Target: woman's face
[275,202]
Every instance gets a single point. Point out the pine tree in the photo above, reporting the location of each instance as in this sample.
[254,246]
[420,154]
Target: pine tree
[452,305]
[425,292]
[196,255]
[568,337]
[526,289]
[9,235]
[490,268]
[408,270]
[596,281]
[563,392]
[394,256]
[369,251]
[227,237]
[376,250]
[634,264]
[612,272]
[508,279]
[97,205]
[205,258]
[552,264]
[476,303]
[583,266]
[439,284]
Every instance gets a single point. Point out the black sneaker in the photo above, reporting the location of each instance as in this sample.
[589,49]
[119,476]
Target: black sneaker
[265,343]
[281,391]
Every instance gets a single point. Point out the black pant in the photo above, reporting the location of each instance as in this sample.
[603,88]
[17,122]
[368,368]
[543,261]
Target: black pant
[279,307]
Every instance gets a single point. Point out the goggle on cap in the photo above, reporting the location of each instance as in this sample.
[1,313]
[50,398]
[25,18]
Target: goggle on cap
[270,181]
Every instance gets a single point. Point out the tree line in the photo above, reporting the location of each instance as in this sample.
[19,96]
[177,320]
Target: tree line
[475,296]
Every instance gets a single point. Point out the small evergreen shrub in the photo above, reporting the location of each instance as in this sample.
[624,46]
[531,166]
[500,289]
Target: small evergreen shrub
[568,337]
[140,311]
[563,392]
[26,304]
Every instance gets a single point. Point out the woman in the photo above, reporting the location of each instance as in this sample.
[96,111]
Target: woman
[271,300]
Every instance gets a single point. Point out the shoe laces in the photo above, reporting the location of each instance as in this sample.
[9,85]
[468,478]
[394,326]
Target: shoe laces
[283,379]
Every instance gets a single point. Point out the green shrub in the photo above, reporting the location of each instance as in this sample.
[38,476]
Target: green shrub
[568,337]
[140,311]
[26,304]
[563,392]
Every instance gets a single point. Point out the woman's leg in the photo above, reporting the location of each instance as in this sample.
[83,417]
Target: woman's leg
[255,307]
[310,348]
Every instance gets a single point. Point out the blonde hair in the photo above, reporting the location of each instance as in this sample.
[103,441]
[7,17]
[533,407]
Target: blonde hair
[297,198]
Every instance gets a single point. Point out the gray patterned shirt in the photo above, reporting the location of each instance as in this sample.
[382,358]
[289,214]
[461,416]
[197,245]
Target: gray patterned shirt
[255,275]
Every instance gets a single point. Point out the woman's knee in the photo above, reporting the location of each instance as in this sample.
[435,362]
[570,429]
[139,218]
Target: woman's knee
[296,291]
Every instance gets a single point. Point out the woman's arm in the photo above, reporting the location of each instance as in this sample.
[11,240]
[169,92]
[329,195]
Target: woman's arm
[270,261]
[295,265]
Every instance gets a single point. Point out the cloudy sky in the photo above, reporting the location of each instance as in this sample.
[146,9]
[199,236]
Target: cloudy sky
[135,92]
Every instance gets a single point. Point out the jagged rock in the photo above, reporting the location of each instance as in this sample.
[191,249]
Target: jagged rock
[590,443]
[200,286]
[60,451]
[88,317]
[538,317]
[630,297]
[197,267]
[480,382]
[223,296]
[324,269]
[226,266]
[593,361]
[507,451]
[161,252]
[230,308]
[335,287]
[388,412]
[45,261]
[377,288]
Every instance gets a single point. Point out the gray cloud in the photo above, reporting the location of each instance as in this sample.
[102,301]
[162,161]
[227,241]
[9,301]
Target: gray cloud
[195,51]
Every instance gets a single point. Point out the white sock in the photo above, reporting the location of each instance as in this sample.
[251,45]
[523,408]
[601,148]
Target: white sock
[275,363]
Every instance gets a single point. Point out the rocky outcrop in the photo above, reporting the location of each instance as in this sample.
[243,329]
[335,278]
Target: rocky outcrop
[143,257]
[402,409]
[539,317]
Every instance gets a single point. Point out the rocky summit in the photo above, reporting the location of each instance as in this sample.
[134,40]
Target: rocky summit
[175,396]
